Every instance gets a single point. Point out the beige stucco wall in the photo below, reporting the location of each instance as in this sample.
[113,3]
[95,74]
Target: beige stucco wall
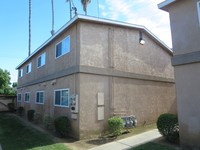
[48,108]
[118,48]
[184,26]
[144,99]
[185,30]
[53,65]
[90,85]
[107,46]
[187,83]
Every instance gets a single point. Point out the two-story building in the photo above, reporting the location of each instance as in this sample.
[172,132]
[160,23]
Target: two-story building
[185,28]
[113,68]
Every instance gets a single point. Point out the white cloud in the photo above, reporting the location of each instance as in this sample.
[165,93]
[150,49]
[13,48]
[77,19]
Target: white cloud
[140,12]
[102,9]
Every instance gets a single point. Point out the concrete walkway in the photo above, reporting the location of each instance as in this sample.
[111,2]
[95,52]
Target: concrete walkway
[131,141]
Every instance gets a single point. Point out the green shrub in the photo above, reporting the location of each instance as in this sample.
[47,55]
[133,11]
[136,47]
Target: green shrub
[30,114]
[49,122]
[115,125]
[11,107]
[167,125]
[21,111]
[37,118]
[62,126]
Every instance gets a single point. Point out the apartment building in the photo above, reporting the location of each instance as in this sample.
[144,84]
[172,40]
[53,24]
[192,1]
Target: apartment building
[185,29]
[107,67]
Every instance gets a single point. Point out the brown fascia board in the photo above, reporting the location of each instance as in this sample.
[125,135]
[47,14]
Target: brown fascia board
[165,5]
[99,21]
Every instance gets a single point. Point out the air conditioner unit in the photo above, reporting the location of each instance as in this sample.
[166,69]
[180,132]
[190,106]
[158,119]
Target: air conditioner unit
[74,104]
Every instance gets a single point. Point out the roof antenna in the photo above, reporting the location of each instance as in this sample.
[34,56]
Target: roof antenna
[52,8]
[74,8]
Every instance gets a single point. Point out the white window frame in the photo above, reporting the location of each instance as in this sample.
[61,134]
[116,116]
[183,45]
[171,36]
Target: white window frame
[60,96]
[19,100]
[28,68]
[27,93]
[39,97]
[62,51]
[20,73]
[43,60]
[198,11]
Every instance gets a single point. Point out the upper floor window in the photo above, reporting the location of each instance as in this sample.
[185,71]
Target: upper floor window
[40,97]
[41,60]
[28,68]
[21,73]
[19,97]
[63,47]
[61,97]
[198,9]
[27,97]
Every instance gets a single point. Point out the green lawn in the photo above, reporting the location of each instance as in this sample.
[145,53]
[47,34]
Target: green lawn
[152,146]
[14,135]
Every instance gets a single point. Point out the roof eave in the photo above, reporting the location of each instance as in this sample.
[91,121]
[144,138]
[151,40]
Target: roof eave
[139,27]
[164,5]
[99,20]
[158,41]
[49,40]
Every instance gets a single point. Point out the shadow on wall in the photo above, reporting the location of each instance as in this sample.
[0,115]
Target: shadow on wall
[5,100]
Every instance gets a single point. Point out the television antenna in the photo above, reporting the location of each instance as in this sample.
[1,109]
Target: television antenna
[72,8]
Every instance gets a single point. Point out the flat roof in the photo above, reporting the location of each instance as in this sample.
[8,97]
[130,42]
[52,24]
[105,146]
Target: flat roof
[166,3]
[97,20]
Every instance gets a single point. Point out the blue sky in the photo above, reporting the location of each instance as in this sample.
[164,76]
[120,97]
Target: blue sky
[14,23]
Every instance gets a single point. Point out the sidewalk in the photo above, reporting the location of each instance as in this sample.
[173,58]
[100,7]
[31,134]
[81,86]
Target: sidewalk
[131,141]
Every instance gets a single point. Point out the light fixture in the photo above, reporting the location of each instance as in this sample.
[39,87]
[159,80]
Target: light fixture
[141,40]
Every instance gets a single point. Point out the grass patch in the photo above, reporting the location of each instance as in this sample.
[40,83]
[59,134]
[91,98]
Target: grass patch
[14,135]
[152,146]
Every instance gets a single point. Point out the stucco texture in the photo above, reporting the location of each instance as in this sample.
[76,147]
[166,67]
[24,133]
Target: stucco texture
[135,79]
[107,46]
[144,99]
[187,83]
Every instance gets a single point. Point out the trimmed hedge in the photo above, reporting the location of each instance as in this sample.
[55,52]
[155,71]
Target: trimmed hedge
[30,114]
[62,126]
[167,125]
[49,122]
[21,111]
[37,118]
[115,125]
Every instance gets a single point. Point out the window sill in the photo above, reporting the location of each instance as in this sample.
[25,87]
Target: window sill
[61,106]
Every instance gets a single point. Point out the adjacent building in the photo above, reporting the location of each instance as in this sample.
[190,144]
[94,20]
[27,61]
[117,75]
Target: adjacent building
[106,67]
[185,28]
